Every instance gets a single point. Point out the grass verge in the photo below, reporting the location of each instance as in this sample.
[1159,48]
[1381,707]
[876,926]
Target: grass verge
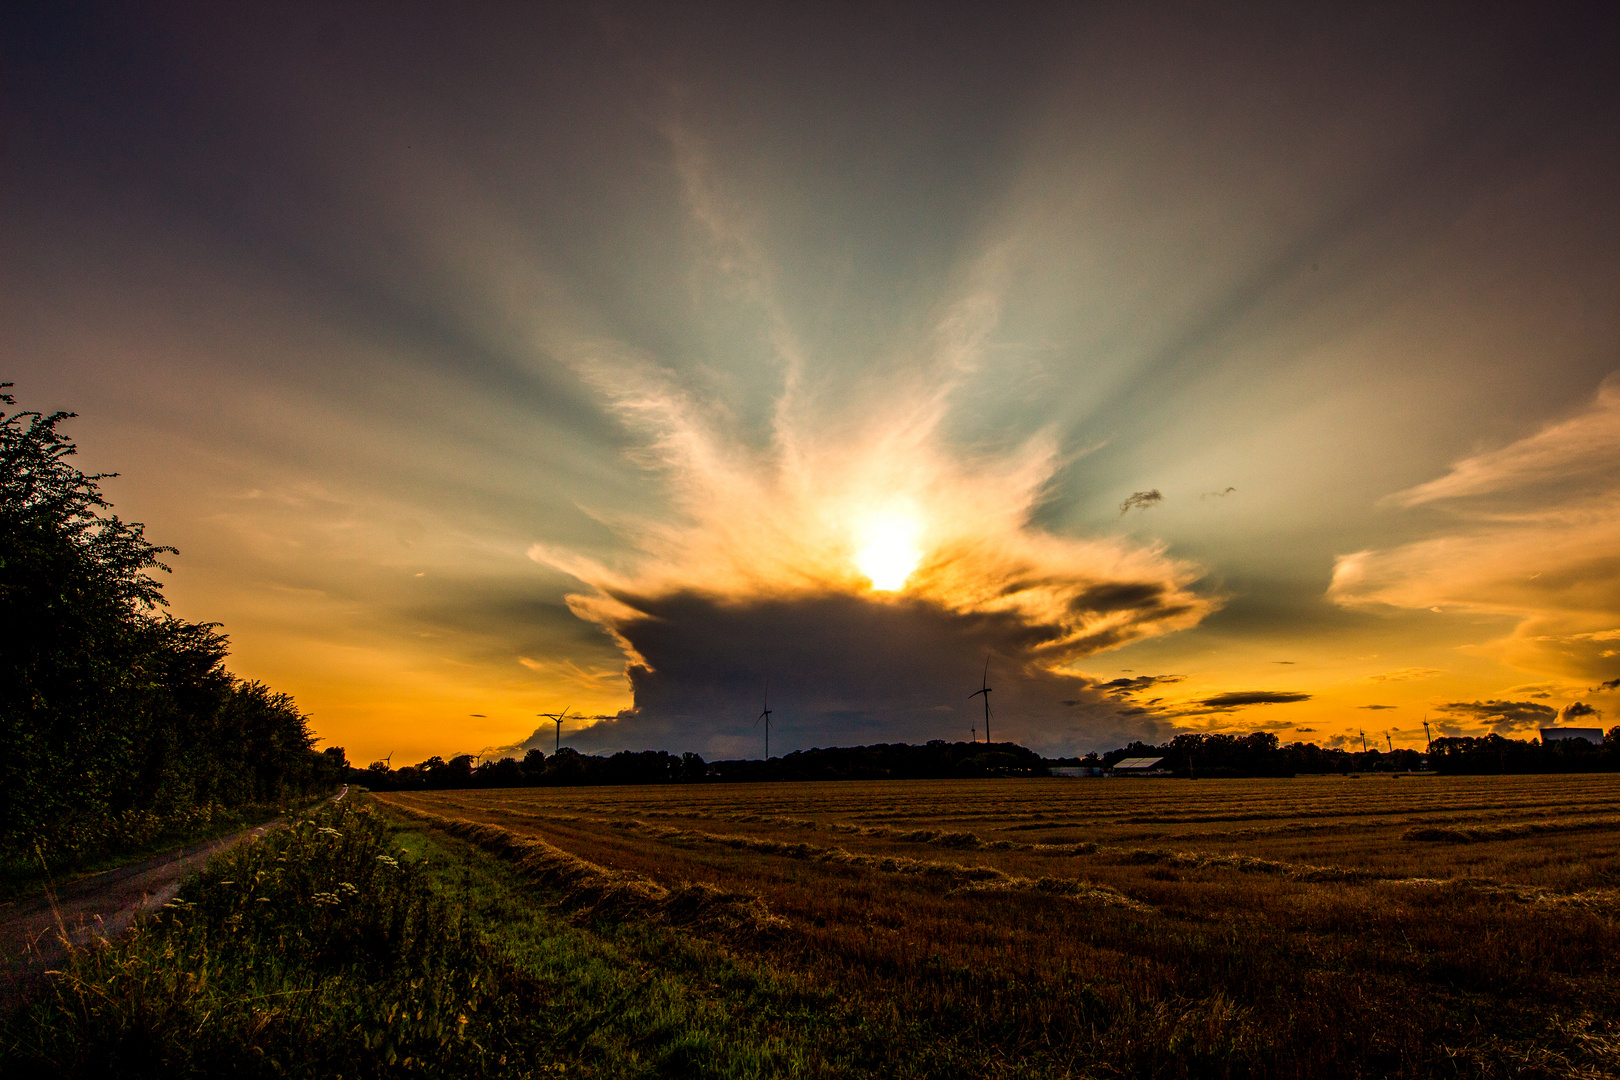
[21,874]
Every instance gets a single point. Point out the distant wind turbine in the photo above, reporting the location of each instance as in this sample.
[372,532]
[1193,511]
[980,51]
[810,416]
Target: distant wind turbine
[985,690]
[765,715]
[557,718]
[1363,741]
[1426,733]
[1390,741]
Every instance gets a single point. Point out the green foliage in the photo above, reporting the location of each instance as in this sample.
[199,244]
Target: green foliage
[314,952]
[119,721]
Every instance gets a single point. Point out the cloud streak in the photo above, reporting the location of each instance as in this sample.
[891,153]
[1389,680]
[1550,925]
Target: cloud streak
[1536,528]
[1239,698]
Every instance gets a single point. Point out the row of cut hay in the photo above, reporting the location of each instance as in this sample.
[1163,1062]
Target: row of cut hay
[1246,864]
[1600,900]
[1449,831]
[1485,833]
[966,878]
[959,840]
[1434,827]
[599,892]
[987,878]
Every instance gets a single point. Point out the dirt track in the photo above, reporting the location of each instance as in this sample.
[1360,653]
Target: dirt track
[34,932]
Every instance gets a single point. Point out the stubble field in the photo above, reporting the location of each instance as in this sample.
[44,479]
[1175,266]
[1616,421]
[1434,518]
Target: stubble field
[1414,926]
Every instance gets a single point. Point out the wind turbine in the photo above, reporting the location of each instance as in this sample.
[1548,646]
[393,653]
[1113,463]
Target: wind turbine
[557,718]
[985,690]
[1363,741]
[765,715]
[1426,734]
[1390,741]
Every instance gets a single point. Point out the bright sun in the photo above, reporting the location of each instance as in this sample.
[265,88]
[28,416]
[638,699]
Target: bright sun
[889,551]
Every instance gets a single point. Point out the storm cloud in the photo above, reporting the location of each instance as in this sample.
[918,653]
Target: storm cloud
[843,669]
[1502,716]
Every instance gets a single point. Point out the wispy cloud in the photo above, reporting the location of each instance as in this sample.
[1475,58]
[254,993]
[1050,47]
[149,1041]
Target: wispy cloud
[1411,674]
[1537,526]
[1582,445]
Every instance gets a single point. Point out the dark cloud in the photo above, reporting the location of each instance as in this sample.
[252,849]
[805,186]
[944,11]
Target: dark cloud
[1136,684]
[1239,698]
[1140,500]
[1282,661]
[1502,715]
[1217,494]
[1577,709]
[845,670]
[1611,684]
[1375,706]
[1305,730]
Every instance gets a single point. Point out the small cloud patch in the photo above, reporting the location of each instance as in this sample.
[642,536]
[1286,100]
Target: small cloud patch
[1239,698]
[1408,674]
[1140,500]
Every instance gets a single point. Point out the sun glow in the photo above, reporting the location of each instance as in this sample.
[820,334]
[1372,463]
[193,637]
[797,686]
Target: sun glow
[889,551]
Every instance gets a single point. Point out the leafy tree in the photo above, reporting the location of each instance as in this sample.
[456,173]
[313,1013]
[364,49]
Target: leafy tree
[118,720]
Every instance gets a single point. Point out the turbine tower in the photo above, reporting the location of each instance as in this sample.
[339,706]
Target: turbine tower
[556,718]
[984,689]
[765,715]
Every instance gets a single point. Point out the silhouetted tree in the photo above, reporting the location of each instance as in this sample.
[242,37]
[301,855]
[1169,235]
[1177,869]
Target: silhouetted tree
[115,716]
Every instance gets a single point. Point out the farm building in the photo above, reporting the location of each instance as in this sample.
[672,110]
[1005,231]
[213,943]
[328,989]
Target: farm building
[1590,734]
[1140,766]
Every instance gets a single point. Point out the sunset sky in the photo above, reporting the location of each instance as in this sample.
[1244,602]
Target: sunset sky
[1202,370]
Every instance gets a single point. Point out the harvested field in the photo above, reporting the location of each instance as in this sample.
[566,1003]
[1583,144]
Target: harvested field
[1411,926]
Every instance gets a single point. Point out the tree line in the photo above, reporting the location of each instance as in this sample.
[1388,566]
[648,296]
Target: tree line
[884,761]
[1192,755]
[1261,754]
[120,722]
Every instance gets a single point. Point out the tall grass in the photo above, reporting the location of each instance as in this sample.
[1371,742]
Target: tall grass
[314,952]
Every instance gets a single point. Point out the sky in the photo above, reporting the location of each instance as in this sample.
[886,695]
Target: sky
[1167,368]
